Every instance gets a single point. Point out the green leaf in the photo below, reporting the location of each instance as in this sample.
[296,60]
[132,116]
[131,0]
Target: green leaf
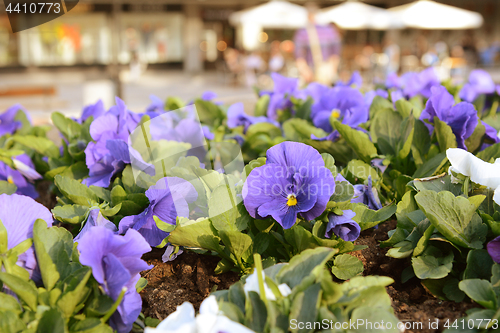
[405,143]
[343,191]
[305,308]
[26,291]
[432,264]
[73,214]
[225,212]
[76,191]
[430,167]
[39,144]
[490,153]
[437,184]
[69,300]
[451,290]
[475,141]
[404,107]
[358,171]
[308,262]
[386,125]
[421,142]
[69,128]
[236,242]
[346,266]
[261,106]
[453,217]
[51,321]
[7,188]
[263,127]
[379,104]
[296,129]
[11,323]
[256,312]
[480,291]
[118,195]
[444,134]
[368,218]
[479,265]
[48,269]
[208,112]
[358,141]
[329,163]
[196,234]
[8,302]
[375,314]
[57,243]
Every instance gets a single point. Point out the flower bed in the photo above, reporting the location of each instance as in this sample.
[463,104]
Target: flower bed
[328,206]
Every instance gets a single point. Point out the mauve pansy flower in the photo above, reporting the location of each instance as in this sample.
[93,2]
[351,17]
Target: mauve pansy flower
[116,263]
[284,88]
[493,248]
[355,81]
[236,116]
[93,110]
[419,83]
[168,198]
[293,181]
[94,219]
[367,195]
[462,117]
[343,226]
[22,176]
[8,124]
[18,214]
[480,82]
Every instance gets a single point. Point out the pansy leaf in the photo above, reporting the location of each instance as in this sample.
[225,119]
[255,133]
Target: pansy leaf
[224,210]
[343,191]
[51,321]
[358,141]
[25,290]
[404,108]
[375,314]
[7,188]
[76,191]
[431,166]
[196,234]
[453,217]
[444,134]
[69,128]
[491,152]
[346,266]
[475,141]
[73,214]
[420,143]
[74,291]
[432,264]
[310,261]
[358,171]
[41,145]
[261,106]
[255,312]
[480,291]
[437,184]
[479,265]
[387,125]
[263,127]
[304,307]
[237,243]
[368,218]
[379,104]
[299,129]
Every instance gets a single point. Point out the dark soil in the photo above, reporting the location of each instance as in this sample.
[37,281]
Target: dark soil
[410,300]
[189,278]
[46,195]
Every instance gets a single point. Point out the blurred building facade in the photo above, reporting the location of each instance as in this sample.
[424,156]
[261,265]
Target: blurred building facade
[190,34]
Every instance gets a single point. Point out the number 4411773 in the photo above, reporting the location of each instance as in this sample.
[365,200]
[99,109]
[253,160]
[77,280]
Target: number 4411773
[471,324]
[34,8]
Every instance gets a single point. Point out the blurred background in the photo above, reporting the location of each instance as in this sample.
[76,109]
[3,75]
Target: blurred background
[182,48]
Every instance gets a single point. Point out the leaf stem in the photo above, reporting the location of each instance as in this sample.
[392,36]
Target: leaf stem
[115,306]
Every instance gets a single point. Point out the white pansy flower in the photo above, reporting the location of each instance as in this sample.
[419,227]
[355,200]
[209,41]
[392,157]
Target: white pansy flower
[209,320]
[479,171]
[252,284]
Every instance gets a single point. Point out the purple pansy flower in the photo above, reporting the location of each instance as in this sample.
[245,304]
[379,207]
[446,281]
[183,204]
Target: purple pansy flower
[22,176]
[93,110]
[480,82]
[343,226]
[18,214]
[168,198]
[236,116]
[96,219]
[370,95]
[355,81]
[293,181]
[284,88]
[116,262]
[208,95]
[419,83]
[493,248]
[462,118]
[393,81]
[8,124]
[103,158]
[367,195]
[207,133]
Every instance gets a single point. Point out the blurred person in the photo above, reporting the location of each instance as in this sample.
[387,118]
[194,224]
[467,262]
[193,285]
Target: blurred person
[393,53]
[441,50]
[253,64]
[430,58]
[317,50]
[276,59]
[487,54]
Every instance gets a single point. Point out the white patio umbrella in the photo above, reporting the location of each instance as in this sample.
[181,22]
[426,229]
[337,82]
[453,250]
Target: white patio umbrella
[276,14]
[427,14]
[355,15]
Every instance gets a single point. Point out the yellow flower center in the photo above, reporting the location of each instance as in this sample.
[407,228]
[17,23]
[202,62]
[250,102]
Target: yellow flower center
[335,113]
[10,179]
[292,200]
